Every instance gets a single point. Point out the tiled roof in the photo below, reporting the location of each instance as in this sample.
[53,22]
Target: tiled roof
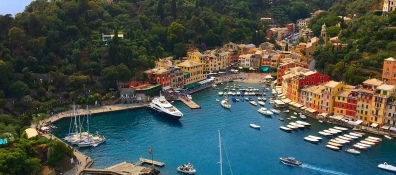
[343,93]
[386,87]
[332,84]
[373,81]
[189,63]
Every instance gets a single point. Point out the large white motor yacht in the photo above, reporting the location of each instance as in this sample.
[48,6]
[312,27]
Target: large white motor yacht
[161,105]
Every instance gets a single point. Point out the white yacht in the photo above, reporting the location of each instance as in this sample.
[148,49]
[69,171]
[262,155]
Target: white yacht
[161,105]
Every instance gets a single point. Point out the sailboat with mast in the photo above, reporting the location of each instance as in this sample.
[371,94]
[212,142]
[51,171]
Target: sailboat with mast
[91,140]
[221,157]
[225,102]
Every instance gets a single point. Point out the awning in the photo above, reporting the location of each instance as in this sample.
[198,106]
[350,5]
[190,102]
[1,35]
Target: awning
[264,68]
[268,77]
[323,114]
[303,107]
[166,88]
[292,103]
[310,110]
[385,127]
[374,125]
[392,128]
[355,123]
[298,105]
[286,100]
[337,117]
[186,73]
[205,81]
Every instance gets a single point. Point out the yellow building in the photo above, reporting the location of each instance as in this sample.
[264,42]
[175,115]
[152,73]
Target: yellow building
[365,98]
[332,88]
[380,99]
[341,100]
[193,71]
[316,96]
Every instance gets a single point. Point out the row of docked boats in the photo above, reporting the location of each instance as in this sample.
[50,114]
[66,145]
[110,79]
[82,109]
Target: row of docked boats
[313,139]
[238,93]
[295,125]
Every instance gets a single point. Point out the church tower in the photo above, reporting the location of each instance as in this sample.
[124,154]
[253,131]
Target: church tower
[323,33]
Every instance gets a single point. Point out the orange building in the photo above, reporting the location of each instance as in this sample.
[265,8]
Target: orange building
[160,75]
[389,71]
[286,66]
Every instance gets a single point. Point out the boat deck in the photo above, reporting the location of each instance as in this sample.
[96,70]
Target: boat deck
[153,162]
[190,104]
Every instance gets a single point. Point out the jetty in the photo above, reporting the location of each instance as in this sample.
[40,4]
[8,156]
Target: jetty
[123,168]
[191,104]
[149,161]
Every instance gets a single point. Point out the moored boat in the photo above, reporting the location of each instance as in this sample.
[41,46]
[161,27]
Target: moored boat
[275,111]
[388,137]
[354,134]
[331,132]
[336,130]
[374,138]
[290,161]
[285,128]
[367,142]
[332,147]
[342,140]
[253,103]
[325,134]
[302,116]
[386,166]
[345,138]
[264,111]
[337,141]
[310,139]
[340,128]
[187,168]
[261,103]
[359,147]
[286,111]
[315,137]
[350,136]
[303,123]
[370,140]
[364,145]
[352,151]
[160,104]
[296,124]
[292,127]
[334,144]
[254,126]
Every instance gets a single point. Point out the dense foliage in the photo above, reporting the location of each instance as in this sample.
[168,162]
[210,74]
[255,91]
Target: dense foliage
[369,38]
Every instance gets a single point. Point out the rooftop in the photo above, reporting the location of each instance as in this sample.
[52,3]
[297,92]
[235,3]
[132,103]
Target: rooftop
[390,59]
[189,63]
[332,84]
[343,93]
[386,87]
[373,81]
[158,70]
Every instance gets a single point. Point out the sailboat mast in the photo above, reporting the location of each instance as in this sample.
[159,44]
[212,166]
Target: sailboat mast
[88,121]
[221,160]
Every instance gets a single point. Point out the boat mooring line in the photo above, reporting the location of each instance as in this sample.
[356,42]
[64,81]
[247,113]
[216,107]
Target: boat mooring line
[322,170]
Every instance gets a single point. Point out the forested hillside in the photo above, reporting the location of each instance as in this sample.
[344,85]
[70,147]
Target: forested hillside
[370,38]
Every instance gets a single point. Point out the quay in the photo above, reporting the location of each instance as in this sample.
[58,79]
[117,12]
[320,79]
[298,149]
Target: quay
[153,162]
[190,103]
[123,168]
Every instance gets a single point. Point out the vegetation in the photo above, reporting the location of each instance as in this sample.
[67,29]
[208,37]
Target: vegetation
[369,38]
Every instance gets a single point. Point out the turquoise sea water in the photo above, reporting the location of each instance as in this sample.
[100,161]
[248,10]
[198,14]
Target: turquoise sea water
[246,151]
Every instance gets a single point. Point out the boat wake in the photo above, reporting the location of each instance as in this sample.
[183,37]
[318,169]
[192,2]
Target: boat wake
[322,170]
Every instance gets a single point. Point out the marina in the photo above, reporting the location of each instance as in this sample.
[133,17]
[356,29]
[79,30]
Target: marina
[131,133]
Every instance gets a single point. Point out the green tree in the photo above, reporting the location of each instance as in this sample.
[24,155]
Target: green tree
[39,119]
[333,31]
[19,89]
[124,74]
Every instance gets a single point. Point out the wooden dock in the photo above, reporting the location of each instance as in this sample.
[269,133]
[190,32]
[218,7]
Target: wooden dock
[153,162]
[190,104]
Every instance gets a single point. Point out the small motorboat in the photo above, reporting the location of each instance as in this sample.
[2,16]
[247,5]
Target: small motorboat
[388,137]
[352,151]
[320,121]
[386,166]
[261,103]
[253,103]
[302,116]
[359,147]
[293,116]
[317,138]
[217,100]
[335,148]
[264,111]
[286,111]
[254,126]
[285,128]
[275,111]
[281,119]
[310,139]
[187,168]
[290,161]
[295,113]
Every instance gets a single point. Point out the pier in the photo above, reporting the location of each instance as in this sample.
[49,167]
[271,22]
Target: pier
[190,103]
[153,162]
[123,168]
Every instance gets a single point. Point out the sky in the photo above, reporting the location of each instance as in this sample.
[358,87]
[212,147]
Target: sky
[13,6]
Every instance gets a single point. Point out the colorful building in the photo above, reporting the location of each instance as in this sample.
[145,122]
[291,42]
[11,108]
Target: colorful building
[389,71]
[161,75]
[193,71]
[286,66]
[332,88]
[390,112]
[345,102]
[365,97]
[379,102]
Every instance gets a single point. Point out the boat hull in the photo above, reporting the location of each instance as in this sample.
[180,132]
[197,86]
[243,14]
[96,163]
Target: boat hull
[166,114]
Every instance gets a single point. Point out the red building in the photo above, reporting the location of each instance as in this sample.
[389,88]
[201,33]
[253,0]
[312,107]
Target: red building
[160,75]
[351,103]
[285,66]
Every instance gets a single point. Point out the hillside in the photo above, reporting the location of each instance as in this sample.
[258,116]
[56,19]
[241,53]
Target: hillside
[369,38]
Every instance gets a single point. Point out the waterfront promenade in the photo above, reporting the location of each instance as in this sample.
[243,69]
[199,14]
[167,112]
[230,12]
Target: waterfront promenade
[95,110]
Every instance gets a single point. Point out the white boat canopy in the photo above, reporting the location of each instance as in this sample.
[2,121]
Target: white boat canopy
[385,127]
[392,128]
[374,125]
[286,100]
[310,110]
[358,122]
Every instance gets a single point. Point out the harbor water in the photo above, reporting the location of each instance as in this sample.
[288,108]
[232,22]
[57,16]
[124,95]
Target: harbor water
[194,139]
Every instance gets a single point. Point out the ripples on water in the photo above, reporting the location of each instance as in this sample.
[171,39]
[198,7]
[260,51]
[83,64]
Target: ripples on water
[194,138]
